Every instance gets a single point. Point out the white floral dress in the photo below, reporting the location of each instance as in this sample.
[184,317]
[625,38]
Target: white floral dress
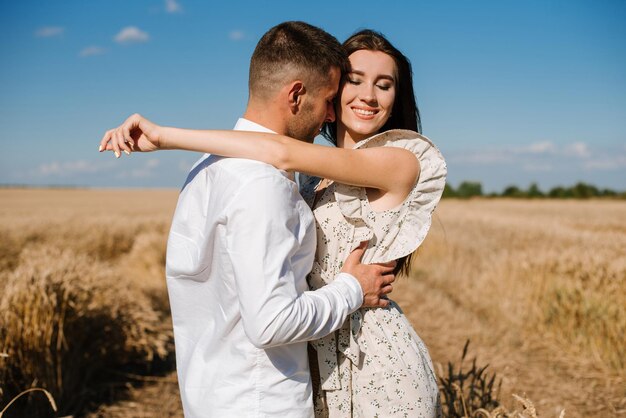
[375,365]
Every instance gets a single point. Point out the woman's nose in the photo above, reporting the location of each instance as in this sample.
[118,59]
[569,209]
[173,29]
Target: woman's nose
[367,93]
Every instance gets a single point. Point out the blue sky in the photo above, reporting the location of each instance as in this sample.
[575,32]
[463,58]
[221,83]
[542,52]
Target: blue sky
[512,92]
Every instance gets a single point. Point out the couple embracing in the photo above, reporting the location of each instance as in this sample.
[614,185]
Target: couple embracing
[280,311]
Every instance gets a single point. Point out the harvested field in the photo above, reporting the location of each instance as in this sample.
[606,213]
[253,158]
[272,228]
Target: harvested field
[538,286]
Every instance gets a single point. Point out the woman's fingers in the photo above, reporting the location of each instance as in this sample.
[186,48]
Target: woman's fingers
[122,142]
[119,139]
[105,140]
[116,145]
[127,137]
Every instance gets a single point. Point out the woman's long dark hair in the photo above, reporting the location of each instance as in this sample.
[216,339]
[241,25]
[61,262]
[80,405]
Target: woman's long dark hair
[405,113]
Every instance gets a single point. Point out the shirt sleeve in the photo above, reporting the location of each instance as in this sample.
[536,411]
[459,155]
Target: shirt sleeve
[263,227]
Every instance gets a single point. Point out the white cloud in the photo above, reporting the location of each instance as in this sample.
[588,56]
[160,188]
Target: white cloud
[606,163]
[68,168]
[146,170]
[172,6]
[577,149]
[543,147]
[91,51]
[153,163]
[49,31]
[131,34]
[50,168]
[120,169]
[236,35]
[542,156]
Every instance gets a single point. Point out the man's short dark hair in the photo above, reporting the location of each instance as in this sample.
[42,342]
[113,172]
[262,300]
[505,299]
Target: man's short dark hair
[294,50]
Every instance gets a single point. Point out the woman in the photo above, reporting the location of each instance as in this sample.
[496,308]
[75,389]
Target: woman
[376,365]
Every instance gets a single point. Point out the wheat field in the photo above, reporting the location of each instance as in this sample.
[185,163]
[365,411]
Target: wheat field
[538,286]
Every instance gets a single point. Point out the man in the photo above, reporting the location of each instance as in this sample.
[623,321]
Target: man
[242,242]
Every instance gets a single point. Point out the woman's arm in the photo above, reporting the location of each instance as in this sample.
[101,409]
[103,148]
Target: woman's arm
[386,168]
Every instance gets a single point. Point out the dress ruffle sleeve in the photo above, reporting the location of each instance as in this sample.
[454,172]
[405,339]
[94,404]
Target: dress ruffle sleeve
[396,232]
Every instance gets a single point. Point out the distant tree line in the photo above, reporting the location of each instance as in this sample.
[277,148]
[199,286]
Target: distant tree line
[578,191]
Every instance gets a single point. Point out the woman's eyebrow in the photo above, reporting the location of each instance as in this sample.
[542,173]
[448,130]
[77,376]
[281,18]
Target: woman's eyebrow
[385,76]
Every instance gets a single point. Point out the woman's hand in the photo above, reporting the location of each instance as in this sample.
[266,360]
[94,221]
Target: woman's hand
[135,134]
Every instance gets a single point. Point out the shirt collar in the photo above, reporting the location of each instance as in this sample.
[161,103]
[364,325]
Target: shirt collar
[244,124]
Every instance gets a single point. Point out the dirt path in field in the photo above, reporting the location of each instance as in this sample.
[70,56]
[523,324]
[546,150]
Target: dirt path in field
[528,367]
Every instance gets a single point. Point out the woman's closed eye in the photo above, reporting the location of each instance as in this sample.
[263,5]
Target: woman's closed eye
[382,86]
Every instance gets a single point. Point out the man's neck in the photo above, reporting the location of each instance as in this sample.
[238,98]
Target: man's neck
[265,118]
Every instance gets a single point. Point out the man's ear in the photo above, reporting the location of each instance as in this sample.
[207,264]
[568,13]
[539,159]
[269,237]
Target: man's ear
[296,91]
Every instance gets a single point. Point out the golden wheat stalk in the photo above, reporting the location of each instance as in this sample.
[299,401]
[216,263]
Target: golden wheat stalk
[48,395]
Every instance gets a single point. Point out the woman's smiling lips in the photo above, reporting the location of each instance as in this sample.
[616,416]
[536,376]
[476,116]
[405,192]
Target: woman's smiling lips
[364,113]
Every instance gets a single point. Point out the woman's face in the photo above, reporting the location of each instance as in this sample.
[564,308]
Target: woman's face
[367,94]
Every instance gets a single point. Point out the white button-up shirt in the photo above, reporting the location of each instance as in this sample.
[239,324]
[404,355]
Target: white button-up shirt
[241,244]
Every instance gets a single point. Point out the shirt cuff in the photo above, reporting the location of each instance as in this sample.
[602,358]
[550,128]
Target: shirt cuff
[352,290]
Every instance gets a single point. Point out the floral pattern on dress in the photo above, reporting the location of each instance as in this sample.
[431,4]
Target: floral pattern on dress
[375,365]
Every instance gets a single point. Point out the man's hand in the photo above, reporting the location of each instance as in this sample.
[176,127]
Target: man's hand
[135,134]
[375,279]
